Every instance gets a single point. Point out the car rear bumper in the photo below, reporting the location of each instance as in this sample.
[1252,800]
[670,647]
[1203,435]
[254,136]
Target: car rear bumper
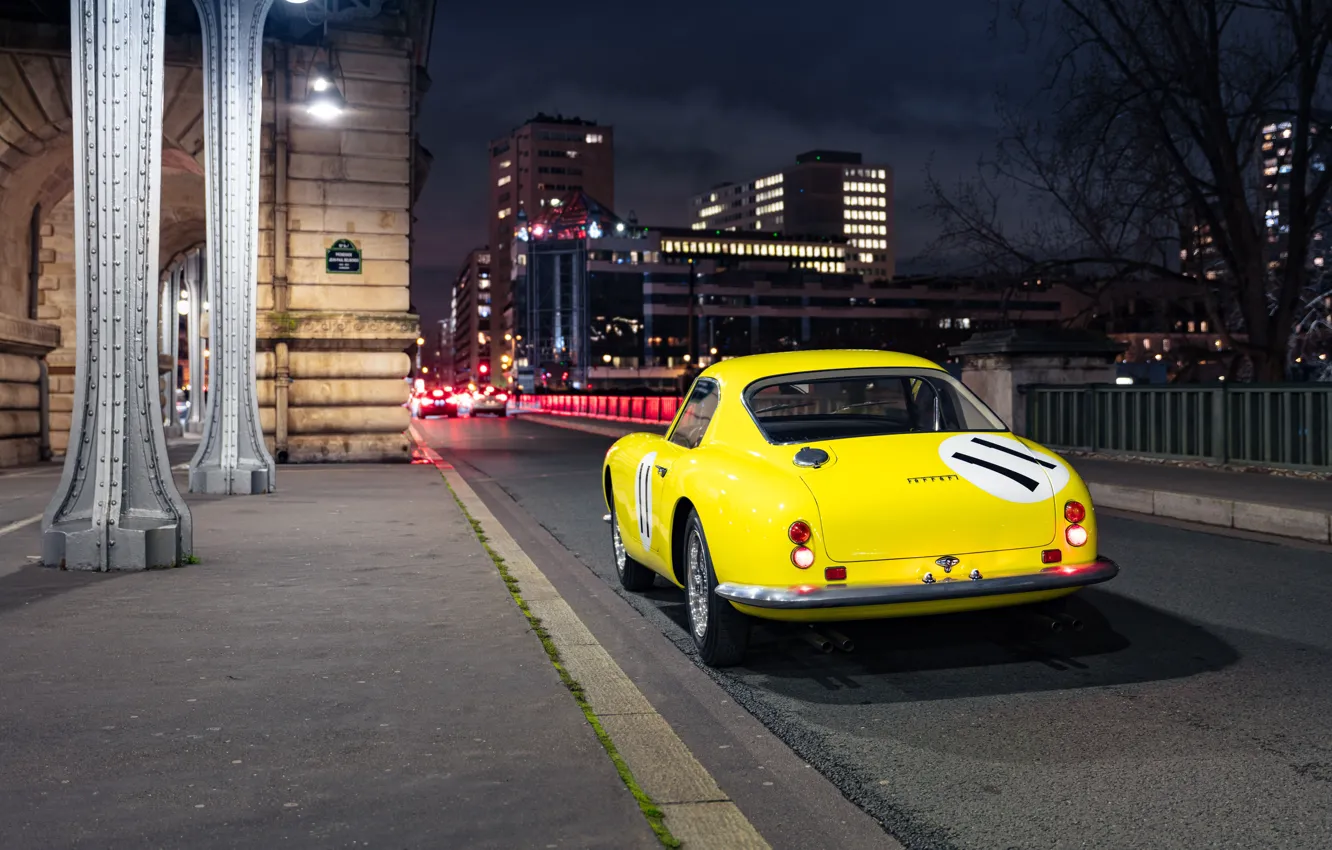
[811,596]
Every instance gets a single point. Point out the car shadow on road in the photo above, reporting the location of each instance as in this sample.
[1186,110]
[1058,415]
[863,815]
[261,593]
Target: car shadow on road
[976,654]
[35,583]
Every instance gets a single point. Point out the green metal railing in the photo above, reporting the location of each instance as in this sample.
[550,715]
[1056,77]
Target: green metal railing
[1285,425]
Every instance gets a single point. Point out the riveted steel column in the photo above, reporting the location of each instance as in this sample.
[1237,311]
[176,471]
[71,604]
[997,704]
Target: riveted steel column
[116,507]
[193,285]
[232,457]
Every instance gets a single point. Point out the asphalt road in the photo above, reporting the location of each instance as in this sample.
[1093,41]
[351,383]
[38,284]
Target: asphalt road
[1194,711]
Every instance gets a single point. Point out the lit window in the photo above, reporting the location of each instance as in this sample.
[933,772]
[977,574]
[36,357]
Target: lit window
[866,258]
[505,180]
[593,138]
[1147,344]
[1270,128]
[506,212]
[506,163]
[712,210]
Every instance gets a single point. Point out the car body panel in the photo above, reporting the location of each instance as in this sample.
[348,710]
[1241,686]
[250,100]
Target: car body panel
[888,508]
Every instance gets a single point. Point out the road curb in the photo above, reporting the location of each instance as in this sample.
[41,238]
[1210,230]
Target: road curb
[1314,526]
[696,810]
[1276,520]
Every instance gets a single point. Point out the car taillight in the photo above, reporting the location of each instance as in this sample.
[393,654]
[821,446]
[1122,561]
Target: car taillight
[438,393]
[1074,511]
[835,573]
[799,532]
[1076,535]
[1051,556]
[802,557]
[502,397]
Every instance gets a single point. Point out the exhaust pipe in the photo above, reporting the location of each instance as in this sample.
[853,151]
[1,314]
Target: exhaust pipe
[841,641]
[1044,622]
[1069,621]
[818,641]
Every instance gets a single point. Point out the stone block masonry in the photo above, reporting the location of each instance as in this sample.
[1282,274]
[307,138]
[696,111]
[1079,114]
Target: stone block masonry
[331,364]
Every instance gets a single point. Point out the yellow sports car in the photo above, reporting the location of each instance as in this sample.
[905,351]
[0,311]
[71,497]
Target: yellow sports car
[842,485]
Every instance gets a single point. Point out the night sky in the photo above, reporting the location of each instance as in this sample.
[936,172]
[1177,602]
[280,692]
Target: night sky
[701,91]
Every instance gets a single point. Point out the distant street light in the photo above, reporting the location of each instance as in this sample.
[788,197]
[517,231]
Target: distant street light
[605,358]
[420,340]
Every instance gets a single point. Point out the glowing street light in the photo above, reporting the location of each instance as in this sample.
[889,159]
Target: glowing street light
[605,358]
[326,103]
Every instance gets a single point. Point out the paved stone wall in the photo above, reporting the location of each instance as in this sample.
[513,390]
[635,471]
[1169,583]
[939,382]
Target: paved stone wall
[345,333]
[56,304]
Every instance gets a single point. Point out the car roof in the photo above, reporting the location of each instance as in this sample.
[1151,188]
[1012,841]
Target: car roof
[739,372]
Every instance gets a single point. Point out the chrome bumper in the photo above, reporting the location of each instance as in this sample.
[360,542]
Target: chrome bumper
[843,596]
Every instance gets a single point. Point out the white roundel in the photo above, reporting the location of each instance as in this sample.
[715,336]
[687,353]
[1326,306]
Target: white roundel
[1004,467]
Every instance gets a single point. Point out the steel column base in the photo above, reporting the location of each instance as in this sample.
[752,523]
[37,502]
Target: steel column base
[136,544]
[241,481]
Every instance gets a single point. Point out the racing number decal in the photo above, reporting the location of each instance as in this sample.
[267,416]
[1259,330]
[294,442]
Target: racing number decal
[1003,467]
[643,498]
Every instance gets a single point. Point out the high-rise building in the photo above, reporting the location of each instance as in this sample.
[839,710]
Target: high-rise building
[472,325]
[826,193]
[1278,156]
[543,160]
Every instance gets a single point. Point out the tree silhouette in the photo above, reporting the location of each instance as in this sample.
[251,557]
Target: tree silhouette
[1155,146]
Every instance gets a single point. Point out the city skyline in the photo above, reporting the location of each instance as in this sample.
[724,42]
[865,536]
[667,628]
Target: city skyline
[908,87]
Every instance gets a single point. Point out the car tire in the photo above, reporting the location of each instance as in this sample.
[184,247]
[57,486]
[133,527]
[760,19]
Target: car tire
[633,576]
[720,633]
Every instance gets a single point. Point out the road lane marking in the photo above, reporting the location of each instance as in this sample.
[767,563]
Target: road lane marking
[695,809]
[23,523]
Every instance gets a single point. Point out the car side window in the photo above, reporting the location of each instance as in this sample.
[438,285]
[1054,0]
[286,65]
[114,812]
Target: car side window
[696,415]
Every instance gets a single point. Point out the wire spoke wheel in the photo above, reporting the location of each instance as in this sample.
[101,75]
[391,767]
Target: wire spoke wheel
[696,565]
[617,542]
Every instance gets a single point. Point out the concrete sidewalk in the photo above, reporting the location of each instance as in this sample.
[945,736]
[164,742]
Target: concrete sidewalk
[345,667]
[1268,504]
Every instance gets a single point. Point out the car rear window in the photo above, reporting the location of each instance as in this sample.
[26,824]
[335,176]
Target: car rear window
[863,403]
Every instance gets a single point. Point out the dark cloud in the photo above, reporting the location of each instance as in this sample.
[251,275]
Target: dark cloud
[700,92]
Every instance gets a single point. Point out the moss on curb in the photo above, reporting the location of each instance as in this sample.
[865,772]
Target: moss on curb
[654,815]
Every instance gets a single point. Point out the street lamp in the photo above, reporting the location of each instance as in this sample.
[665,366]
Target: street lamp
[605,358]
[323,98]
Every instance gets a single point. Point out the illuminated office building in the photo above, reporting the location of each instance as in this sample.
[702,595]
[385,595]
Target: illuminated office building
[826,193]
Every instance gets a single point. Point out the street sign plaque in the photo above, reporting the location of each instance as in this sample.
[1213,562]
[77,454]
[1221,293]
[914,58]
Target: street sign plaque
[342,257]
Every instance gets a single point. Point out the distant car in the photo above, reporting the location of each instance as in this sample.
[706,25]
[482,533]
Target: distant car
[843,485]
[440,401]
[489,400]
